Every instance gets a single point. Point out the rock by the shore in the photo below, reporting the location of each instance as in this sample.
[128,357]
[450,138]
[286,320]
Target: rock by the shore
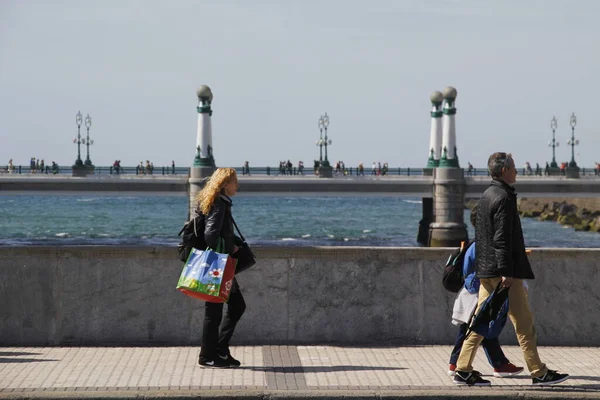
[580,214]
[569,212]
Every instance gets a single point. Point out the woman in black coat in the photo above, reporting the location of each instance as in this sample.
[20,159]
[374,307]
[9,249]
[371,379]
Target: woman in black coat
[214,202]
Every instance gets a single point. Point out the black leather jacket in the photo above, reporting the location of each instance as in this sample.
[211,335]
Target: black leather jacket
[500,247]
[219,225]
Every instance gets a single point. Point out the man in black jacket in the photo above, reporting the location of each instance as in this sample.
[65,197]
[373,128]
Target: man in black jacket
[500,258]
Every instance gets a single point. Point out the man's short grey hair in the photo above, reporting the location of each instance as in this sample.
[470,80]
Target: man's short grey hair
[497,161]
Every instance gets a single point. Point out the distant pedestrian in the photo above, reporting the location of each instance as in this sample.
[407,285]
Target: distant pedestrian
[500,259]
[173,167]
[10,166]
[374,168]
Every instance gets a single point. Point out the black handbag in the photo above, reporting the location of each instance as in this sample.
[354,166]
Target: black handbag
[245,257]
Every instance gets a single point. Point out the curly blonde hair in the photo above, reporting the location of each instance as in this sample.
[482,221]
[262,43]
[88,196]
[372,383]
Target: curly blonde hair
[213,187]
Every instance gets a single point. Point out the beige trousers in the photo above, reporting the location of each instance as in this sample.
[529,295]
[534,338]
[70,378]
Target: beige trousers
[522,319]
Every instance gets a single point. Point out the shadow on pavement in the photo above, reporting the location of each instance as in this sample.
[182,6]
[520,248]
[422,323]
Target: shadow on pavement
[335,368]
[17,353]
[23,360]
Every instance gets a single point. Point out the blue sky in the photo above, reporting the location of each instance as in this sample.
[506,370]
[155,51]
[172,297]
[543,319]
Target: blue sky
[276,66]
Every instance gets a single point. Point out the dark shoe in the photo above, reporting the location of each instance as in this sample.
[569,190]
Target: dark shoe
[216,363]
[470,379]
[229,359]
[507,370]
[550,378]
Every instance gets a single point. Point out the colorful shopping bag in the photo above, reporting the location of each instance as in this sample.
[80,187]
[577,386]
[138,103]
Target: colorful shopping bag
[207,275]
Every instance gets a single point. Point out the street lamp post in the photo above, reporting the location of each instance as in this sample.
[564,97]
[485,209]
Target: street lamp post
[327,141]
[325,169]
[554,143]
[573,142]
[572,168]
[320,141]
[77,140]
[87,141]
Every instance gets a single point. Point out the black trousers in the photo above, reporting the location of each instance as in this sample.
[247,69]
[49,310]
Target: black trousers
[218,330]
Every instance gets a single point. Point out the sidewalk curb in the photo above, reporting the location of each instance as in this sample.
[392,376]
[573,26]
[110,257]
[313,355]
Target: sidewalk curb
[414,394]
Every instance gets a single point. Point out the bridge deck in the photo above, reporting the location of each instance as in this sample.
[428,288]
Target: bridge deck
[413,186]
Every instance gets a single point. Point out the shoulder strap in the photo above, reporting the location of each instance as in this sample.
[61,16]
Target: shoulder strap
[192,221]
[236,227]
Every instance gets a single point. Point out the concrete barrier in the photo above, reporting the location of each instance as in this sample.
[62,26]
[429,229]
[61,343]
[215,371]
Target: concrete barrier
[346,295]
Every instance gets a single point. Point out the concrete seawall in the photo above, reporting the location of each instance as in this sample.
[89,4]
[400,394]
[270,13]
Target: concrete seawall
[123,295]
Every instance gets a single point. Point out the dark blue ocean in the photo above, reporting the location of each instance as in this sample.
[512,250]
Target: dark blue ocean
[265,221]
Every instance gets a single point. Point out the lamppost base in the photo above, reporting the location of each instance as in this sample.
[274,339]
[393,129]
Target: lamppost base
[572,172]
[83,170]
[325,171]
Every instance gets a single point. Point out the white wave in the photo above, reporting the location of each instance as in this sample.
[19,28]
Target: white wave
[306,236]
[413,201]
[346,239]
[330,236]
[367,231]
[287,239]
[62,235]
[88,199]
[103,235]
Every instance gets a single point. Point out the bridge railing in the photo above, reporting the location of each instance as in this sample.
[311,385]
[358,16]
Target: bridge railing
[263,171]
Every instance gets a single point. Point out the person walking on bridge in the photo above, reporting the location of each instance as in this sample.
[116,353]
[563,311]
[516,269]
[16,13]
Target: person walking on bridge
[500,259]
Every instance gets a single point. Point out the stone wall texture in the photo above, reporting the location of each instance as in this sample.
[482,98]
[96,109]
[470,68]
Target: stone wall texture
[89,295]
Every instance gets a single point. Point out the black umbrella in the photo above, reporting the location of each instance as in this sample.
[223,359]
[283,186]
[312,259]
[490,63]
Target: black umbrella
[489,320]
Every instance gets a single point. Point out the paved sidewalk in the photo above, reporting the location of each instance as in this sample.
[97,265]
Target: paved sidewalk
[278,371]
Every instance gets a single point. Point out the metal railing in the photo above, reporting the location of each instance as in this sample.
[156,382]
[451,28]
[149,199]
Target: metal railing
[271,171]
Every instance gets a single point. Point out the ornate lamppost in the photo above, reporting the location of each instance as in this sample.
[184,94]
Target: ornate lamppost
[554,143]
[327,141]
[325,169]
[573,169]
[320,141]
[573,142]
[77,140]
[87,141]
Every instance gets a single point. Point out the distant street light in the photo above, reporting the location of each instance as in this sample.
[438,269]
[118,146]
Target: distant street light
[320,141]
[324,121]
[87,141]
[554,143]
[77,140]
[573,142]
[324,170]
